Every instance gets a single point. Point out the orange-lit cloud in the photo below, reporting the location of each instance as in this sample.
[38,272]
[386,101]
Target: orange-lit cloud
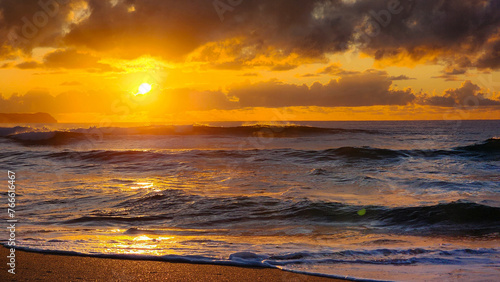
[391,31]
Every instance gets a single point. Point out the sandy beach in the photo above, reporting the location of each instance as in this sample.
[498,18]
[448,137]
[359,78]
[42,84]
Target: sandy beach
[45,267]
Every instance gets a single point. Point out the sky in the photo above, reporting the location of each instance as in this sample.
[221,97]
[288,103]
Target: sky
[250,60]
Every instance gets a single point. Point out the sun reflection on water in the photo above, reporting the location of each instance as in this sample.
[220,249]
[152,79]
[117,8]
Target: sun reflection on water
[143,185]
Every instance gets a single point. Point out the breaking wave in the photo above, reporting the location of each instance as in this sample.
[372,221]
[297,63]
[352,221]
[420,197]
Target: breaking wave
[28,136]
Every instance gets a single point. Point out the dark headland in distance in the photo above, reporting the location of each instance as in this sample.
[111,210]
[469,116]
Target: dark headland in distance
[27,118]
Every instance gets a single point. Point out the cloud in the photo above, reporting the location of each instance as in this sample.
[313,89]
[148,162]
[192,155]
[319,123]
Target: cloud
[491,57]
[449,30]
[336,69]
[401,77]
[242,53]
[419,31]
[168,101]
[28,65]
[309,75]
[171,29]
[33,101]
[6,65]
[284,67]
[364,90]
[25,25]
[73,59]
[369,88]
[67,102]
[447,77]
[67,59]
[452,73]
[467,95]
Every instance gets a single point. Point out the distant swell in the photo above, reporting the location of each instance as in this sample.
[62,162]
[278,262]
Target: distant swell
[273,131]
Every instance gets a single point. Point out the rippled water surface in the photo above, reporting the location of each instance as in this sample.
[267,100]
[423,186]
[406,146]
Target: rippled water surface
[376,200]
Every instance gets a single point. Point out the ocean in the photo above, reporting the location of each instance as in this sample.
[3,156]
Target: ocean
[379,200]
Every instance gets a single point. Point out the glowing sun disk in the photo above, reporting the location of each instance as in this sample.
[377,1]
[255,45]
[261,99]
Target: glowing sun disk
[144,88]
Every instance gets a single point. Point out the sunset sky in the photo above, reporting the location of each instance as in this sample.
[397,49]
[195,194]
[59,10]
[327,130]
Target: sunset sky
[248,60]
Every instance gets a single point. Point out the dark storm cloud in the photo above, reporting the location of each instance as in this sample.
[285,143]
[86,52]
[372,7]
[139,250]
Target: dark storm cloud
[457,32]
[491,57]
[28,24]
[451,30]
[369,88]
[170,29]
[467,95]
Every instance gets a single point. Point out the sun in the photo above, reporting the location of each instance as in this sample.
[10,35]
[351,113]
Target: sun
[144,89]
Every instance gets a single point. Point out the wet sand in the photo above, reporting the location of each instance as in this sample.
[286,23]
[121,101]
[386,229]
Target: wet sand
[47,267]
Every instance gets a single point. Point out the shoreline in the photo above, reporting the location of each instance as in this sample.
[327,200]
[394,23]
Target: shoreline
[57,267]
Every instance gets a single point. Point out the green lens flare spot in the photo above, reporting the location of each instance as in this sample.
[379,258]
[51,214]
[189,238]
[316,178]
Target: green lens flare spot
[362,212]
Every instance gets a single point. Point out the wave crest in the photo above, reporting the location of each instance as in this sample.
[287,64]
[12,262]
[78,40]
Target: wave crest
[491,145]
[53,138]
[454,218]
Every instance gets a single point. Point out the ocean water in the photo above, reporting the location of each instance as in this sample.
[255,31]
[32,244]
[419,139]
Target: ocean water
[406,201]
